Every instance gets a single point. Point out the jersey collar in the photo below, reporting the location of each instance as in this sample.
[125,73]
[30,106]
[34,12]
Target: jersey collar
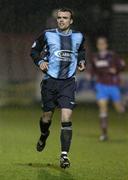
[64,34]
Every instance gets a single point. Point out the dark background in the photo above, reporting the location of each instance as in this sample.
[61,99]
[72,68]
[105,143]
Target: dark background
[22,20]
[29,16]
[93,17]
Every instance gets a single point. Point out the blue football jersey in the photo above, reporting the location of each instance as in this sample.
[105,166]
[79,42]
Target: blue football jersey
[63,52]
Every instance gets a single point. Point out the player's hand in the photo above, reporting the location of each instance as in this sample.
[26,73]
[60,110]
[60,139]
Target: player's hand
[44,66]
[113,70]
[81,67]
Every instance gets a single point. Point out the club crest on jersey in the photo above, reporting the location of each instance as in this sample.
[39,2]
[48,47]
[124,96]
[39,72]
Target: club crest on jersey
[64,55]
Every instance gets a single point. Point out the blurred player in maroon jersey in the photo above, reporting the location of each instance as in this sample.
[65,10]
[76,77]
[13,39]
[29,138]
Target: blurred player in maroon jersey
[106,66]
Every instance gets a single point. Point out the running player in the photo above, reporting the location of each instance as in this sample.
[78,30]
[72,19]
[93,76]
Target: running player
[64,52]
[106,66]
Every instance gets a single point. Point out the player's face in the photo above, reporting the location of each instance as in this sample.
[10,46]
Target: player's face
[64,20]
[102,44]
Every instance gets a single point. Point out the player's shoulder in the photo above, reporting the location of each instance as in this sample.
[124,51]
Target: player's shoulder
[77,32]
[111,52]
[115,55]
[50,30]
[43,32]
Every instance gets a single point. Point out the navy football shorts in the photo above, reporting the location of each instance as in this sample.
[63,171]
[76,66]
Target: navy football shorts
[56,92]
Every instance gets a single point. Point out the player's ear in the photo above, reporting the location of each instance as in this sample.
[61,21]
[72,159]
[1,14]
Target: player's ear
[71,22]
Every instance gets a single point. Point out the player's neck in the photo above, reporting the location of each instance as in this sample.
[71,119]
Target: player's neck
[66,31]
[103,52]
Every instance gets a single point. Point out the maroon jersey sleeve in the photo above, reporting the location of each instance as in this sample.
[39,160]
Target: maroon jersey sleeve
[119,63]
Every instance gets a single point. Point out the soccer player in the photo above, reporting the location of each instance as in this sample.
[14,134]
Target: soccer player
[106,66]
[63,52]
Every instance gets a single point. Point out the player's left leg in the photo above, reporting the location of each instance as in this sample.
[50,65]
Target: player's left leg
[119,106]
[66,102]
[66,136]
[48,106]
[102,101]
[103,115]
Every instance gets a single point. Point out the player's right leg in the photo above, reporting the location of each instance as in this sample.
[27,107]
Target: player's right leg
[48,105]
[103,115]
[45,122]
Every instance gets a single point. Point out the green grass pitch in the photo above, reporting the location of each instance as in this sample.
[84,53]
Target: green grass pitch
[90,159]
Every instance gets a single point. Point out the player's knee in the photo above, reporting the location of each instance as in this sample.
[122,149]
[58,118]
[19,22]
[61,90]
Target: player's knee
[65,118]
[103,109]
[66,115]
[47,116]
[103,114]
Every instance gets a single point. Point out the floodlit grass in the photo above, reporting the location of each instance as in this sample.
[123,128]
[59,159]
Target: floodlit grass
[90,159]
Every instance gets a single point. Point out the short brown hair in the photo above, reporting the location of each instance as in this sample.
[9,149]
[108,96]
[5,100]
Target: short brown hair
[67,10]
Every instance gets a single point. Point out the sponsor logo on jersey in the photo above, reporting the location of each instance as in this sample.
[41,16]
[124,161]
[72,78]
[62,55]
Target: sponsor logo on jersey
[101,63]
[64,55]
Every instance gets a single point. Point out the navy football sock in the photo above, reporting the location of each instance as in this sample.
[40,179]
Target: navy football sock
[66,136]
[44,127]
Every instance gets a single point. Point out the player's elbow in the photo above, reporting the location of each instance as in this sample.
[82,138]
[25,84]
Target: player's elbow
[32,54]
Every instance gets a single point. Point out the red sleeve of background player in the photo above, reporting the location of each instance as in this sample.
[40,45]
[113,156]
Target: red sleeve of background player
[120,63]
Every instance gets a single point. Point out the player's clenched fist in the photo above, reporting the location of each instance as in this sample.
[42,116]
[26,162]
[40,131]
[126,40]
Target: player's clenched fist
[44,66]
[81,66]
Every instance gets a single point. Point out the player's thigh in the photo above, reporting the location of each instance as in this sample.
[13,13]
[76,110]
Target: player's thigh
[47,96]
[119,106]
[115,94]
[101,92]
[116,98]
[66,114]
[66,98]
